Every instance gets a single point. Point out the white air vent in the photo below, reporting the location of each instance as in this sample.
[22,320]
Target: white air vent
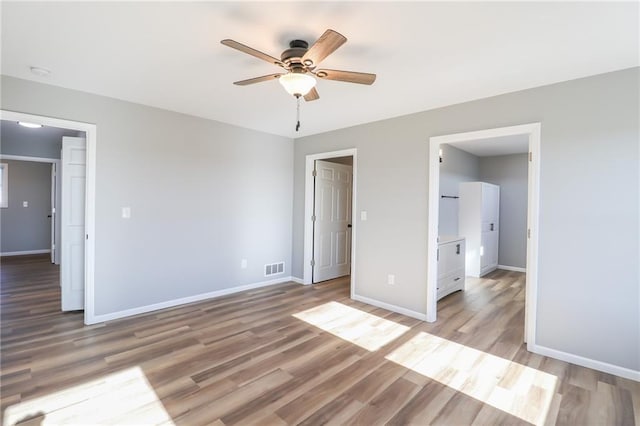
[273,269]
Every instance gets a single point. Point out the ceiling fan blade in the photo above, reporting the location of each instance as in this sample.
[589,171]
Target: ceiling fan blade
[323,47]
[251,51]
[257,79]
[348,76]
[312,95]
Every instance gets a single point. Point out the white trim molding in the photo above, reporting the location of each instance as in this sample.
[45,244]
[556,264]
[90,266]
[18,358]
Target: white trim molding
[27,158]
[184,300]
[90,131]
[297,280]
[25,252]
[512,268]
[308,212]
[627,373]
[390,307]
[532,131]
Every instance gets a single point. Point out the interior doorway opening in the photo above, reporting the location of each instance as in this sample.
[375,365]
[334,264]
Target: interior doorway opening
[30,224]
[488,139]
[330,205]
[79,264]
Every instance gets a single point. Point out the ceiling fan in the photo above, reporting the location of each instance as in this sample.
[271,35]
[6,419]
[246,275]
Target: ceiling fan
[300,62]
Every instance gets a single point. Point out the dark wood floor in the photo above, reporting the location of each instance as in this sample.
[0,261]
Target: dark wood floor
[290,354]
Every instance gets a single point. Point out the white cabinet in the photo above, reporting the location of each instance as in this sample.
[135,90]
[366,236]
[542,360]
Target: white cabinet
[451,254]
[479,223]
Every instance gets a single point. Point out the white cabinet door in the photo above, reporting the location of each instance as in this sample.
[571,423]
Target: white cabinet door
[332,210]
[451,267]
[73,231]
[479,223]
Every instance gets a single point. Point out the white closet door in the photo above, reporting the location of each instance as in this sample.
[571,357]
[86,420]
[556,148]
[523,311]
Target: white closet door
[332,234]
[490,226]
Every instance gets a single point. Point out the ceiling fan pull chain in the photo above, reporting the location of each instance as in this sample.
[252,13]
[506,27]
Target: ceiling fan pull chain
[298,113]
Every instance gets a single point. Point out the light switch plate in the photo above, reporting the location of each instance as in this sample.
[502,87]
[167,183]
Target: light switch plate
[363,215]
[126,212]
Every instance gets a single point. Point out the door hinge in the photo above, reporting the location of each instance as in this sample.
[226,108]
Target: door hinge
[313,218]
[313,262]
[53,210]
[528,233]
[87,236]
[530,156]
[314,173]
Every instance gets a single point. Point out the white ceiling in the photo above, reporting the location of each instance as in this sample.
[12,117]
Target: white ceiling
[426,54]
[489,147]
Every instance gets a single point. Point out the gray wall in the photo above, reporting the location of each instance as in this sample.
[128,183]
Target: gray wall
[45,142]
[510,173]
[27,228]
[588,292]
[203,196]
[457,166]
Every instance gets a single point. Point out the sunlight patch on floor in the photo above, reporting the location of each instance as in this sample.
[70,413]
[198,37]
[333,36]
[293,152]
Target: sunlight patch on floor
[123,397]
[353,325]
[514,388]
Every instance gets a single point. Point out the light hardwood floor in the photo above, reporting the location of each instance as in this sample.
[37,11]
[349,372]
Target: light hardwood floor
[290,354]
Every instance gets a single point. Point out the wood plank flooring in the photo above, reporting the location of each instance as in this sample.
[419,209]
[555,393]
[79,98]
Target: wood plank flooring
[290,354]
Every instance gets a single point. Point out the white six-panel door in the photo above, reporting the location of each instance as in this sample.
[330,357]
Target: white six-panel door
[72,213]
[332,211]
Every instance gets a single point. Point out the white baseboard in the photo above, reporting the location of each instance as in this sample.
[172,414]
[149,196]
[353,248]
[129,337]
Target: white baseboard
[25,252]
[184,300]
[297,280]
[512,268]
[586,362]
[390,307]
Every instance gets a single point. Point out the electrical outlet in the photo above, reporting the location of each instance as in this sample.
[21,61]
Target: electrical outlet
[243,263]
[25,204]
[391,279]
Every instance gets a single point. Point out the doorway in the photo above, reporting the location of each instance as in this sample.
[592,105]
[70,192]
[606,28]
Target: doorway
[348,238]
[87,209]
[532,133]
[331,218]
[48,179]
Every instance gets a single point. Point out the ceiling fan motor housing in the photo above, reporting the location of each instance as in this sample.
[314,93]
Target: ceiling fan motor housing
[293,56]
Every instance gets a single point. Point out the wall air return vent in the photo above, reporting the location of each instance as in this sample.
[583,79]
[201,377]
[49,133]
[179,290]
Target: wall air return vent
[273,269]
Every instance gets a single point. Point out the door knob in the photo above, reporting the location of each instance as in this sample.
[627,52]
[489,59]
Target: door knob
[349,226]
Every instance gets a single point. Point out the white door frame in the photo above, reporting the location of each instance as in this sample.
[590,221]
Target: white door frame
[90,203]
[532,131]
[308,211]
[55,219]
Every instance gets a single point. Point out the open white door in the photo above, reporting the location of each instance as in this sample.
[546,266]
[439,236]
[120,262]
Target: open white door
[332,224]
[72,212]
[52,216]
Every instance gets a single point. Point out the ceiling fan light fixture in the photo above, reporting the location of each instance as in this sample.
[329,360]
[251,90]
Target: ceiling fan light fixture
[297,84]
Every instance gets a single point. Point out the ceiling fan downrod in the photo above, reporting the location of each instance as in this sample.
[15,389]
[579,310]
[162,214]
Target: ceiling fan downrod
[298,113]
